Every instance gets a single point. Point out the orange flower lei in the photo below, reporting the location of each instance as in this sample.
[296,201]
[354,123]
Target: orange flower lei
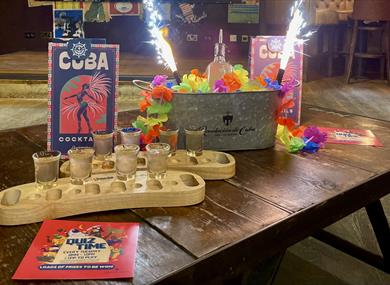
[232,82]
[163,92]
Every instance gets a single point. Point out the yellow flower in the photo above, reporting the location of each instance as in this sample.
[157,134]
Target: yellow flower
[250,87]
[196,82]
[241,73]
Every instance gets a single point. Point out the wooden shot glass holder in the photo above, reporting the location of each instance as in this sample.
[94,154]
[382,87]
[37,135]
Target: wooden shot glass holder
[25,204]
[211,165]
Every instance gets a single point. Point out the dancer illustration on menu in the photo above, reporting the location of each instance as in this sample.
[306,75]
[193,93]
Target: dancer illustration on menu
[83,106]
[97,89]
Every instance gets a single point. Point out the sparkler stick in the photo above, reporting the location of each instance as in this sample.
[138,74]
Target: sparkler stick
[295,27]
[162,46]
[177,77]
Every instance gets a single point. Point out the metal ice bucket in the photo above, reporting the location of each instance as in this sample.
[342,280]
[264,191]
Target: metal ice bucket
[233,121]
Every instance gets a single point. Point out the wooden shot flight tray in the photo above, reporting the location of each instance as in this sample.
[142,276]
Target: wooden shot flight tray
[211,165]
[25,204]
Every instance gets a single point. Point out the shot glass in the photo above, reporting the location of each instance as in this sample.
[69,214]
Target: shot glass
[170,137]
[130,136]
[126,161]
[103,142]
[80,159]
[46,168]
[194,141]
[157,155]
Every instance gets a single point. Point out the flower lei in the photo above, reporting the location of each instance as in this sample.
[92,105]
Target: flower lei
[236,81]
[296,139]
[302,139]
[156,104]
[193,83]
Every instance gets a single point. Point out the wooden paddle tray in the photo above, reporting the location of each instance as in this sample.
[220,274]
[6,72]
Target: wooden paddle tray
[25,204]
[211,165]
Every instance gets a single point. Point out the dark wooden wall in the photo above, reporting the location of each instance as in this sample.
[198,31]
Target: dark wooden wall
[17,19]
[208,30]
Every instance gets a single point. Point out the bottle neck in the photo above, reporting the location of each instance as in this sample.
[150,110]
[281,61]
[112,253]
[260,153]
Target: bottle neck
[219,52]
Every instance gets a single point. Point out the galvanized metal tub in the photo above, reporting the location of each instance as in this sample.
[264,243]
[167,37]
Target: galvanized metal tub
[233,121]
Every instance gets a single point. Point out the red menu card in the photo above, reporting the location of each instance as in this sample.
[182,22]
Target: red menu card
[265,56]
[80,250]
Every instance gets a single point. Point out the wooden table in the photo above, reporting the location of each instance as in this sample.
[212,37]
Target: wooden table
[275,200]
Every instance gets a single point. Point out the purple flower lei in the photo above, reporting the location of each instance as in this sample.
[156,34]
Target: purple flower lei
[159,80]
[219,87]
[315,135]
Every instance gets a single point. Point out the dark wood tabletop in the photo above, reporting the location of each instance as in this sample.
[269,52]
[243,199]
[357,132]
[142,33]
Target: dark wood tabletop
[275,200]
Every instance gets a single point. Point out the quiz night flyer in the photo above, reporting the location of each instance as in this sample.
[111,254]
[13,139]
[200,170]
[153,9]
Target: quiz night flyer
[80,250]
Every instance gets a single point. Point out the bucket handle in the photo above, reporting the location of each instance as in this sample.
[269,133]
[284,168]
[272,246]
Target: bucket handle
[143,85]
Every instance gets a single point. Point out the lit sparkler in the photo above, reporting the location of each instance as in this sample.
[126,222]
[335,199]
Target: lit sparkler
[294,34]
[162,46]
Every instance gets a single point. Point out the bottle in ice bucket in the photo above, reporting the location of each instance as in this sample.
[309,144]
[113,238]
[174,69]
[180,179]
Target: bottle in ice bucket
[217,68]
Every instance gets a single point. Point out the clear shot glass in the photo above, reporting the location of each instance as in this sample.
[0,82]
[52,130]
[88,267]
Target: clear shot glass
[170,137]
[80,159]
[157,155]
[103,142]
[194,141]
[126,161]
[46,165]
[130,136]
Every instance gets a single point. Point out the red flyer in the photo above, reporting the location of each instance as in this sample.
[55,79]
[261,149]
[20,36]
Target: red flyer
[351,136]
[80,250]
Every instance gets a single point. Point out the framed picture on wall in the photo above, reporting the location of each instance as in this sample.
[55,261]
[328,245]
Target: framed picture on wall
[125,9]
[245,13]
[68,23]
[35,3]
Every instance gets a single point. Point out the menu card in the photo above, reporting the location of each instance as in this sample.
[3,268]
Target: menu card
[265,56]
